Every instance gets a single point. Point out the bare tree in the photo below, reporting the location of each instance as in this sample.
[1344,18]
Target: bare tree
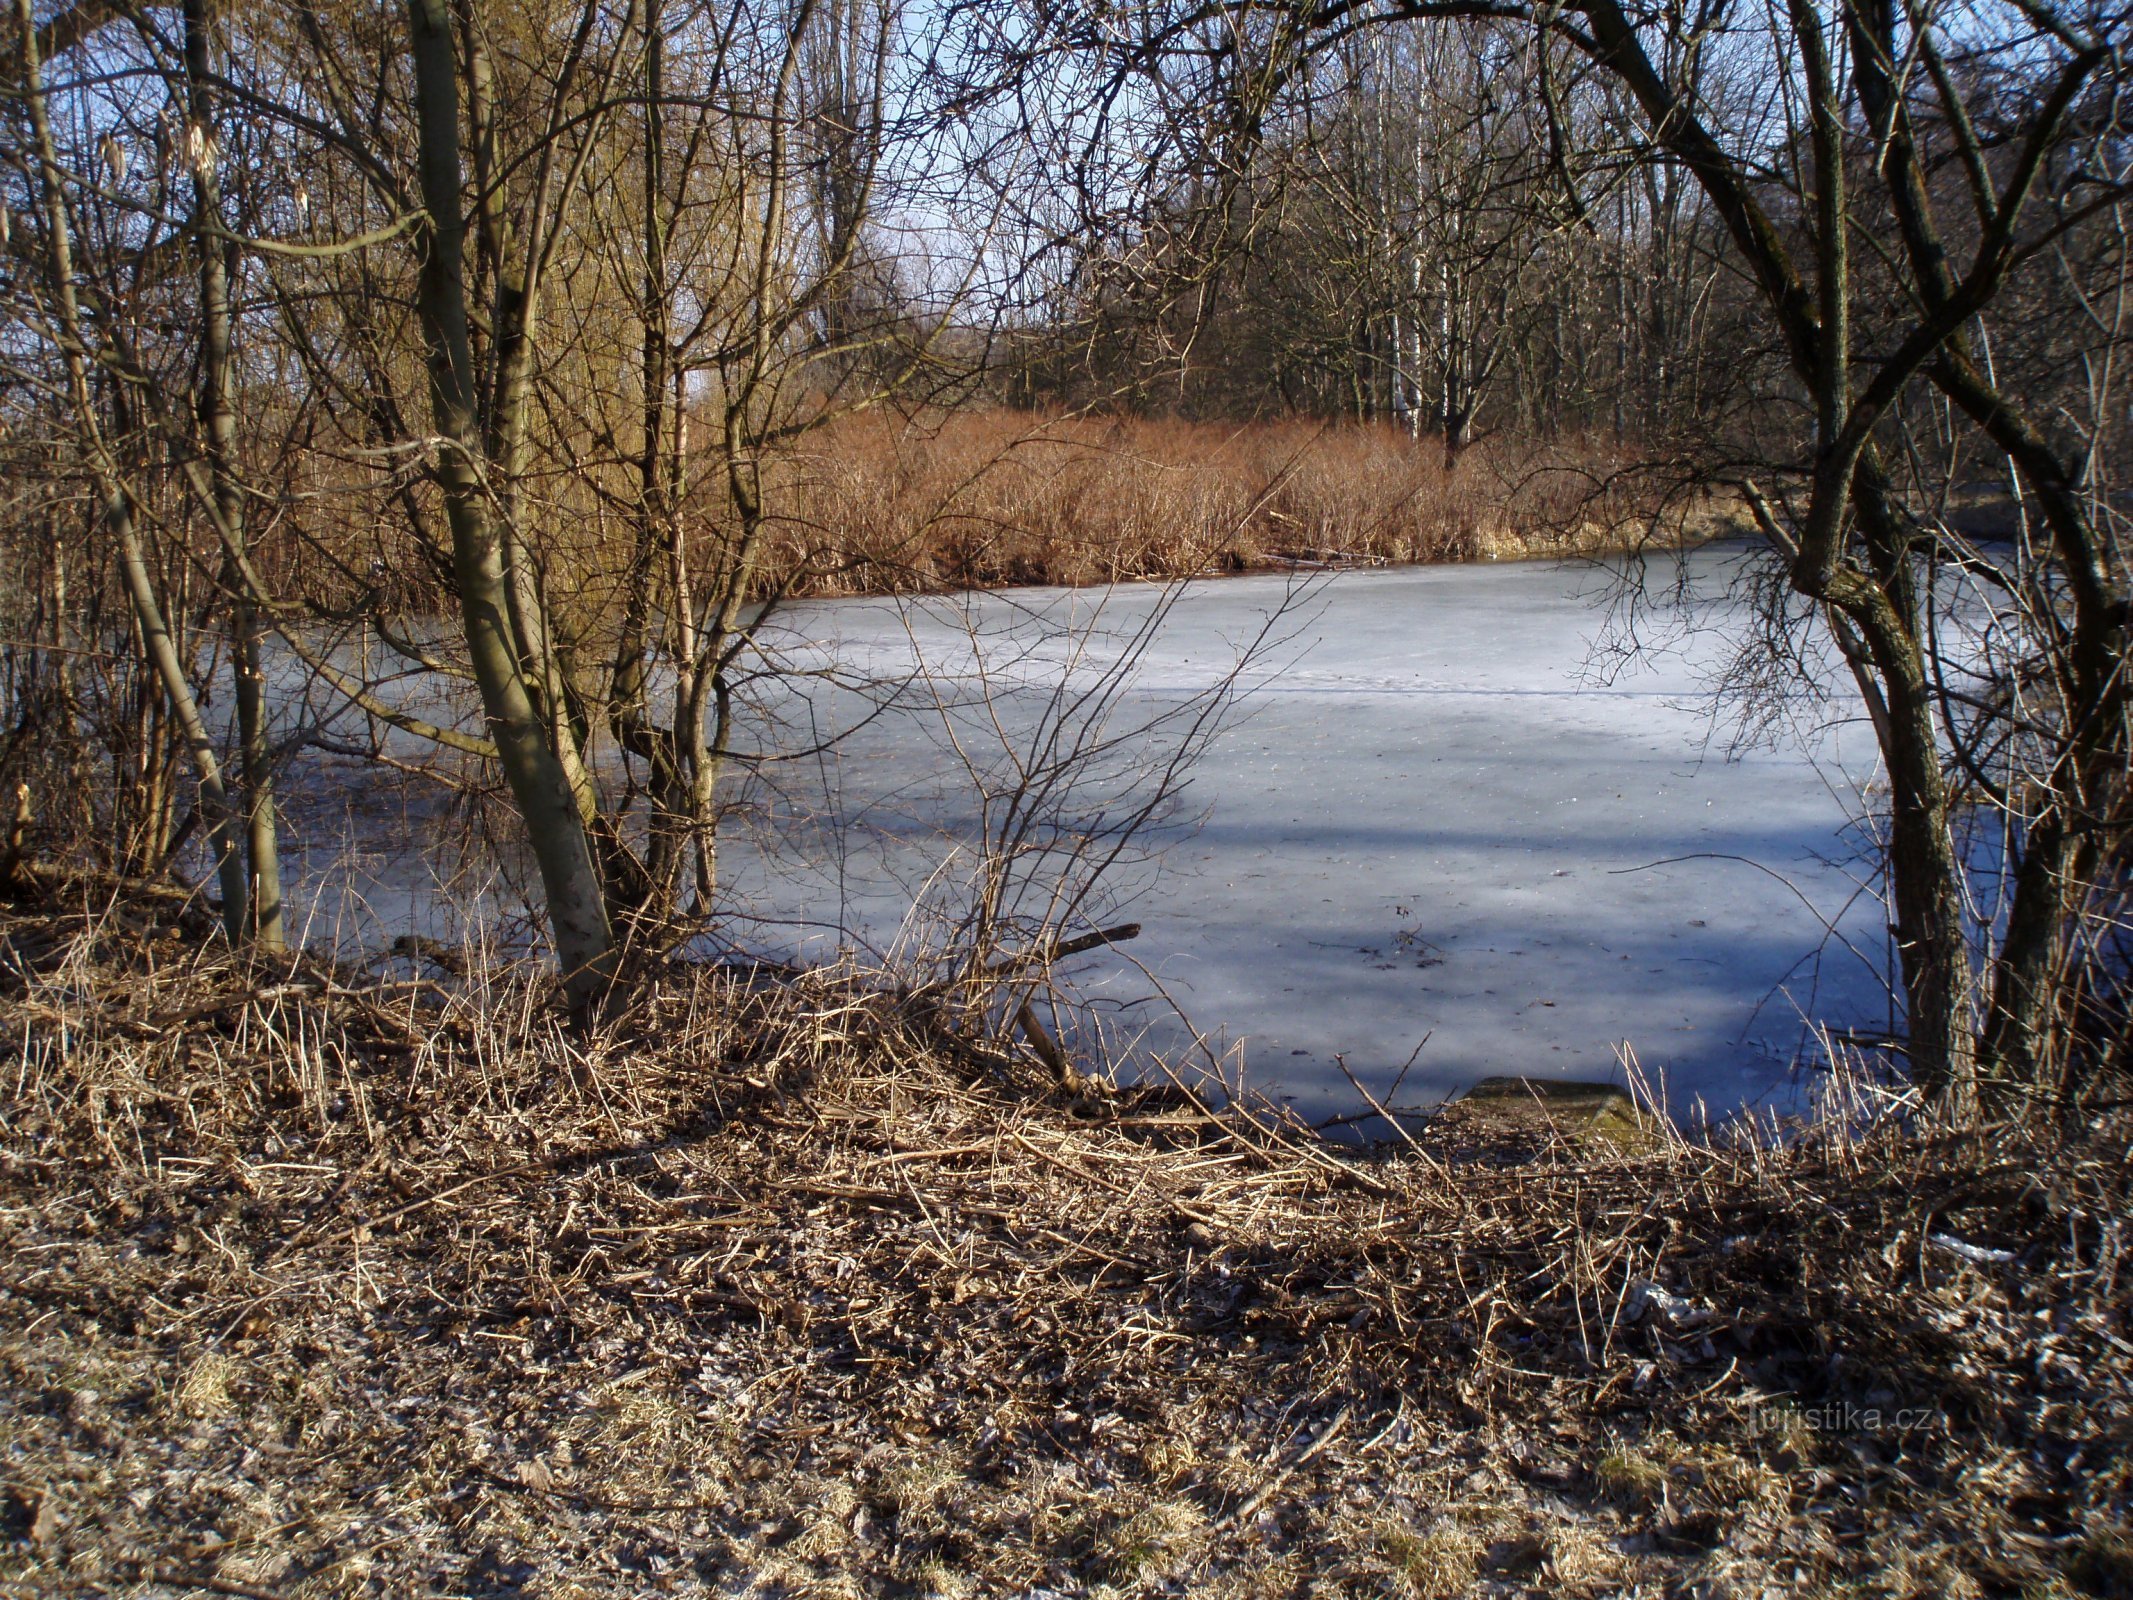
[1926,177]
[57,299]
[218,430]
[462,410]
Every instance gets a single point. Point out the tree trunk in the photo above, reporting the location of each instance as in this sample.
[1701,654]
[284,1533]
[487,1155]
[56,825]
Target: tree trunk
[555,826]
[1925,877]
[2024,987]
[218,421]
[170,671]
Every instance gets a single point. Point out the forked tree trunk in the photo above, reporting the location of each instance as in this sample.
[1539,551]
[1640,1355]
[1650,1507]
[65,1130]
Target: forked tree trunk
[185,709]
[540,784]
[1924,873]
[658,465]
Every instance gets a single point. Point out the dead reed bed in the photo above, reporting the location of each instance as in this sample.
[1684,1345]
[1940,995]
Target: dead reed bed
[322,1283]
[979,498]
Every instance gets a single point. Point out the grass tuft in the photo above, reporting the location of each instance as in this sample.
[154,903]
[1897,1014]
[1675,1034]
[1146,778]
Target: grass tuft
[205,1389]
[1628,1475]
[1439,1564]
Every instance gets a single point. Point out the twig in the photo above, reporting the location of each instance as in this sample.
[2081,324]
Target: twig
[1266,1490]
[1048,953]
[214,1585]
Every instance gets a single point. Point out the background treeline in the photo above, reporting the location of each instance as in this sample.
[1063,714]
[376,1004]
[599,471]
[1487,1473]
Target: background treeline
[1457,231]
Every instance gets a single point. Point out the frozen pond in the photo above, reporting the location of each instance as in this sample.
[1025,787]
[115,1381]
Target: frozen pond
[1428,833]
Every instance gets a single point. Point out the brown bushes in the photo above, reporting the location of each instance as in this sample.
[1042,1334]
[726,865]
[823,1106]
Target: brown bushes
[883,502]
[980,498]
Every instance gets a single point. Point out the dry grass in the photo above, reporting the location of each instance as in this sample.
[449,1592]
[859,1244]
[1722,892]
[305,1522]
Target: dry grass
[971,499]
[315,1285]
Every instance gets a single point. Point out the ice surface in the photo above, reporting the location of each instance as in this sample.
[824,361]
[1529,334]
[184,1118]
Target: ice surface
[1428,828]
[1425,818]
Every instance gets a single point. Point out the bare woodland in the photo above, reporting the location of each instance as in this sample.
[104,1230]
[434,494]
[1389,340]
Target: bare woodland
[323,322]
[358,362]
